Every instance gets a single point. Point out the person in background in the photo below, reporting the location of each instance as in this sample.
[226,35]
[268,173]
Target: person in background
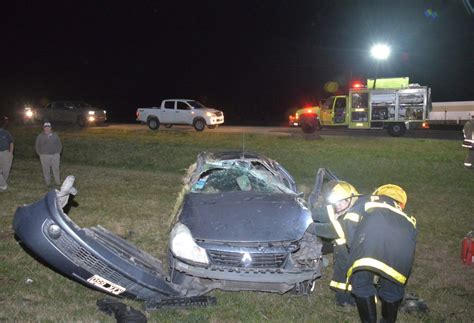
[6,154]
[468,132]
[48,147]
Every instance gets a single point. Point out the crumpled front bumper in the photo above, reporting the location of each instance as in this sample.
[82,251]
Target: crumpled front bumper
[91,256]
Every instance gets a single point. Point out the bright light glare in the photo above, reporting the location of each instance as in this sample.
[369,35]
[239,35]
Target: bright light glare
[380,51]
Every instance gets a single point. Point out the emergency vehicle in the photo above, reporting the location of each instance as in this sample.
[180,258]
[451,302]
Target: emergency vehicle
[389,103]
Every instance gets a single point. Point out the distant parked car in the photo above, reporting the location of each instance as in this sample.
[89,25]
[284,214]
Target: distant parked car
[180,111]
[78,112]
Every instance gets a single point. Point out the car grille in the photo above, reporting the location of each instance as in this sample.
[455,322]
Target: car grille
[218,114]
[237,259]
[86,260]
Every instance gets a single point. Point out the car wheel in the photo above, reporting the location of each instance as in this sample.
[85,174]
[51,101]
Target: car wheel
[153,123]
[168,125]
[81,122]
[199,124]
[212,126]
[309,125]
[396,129]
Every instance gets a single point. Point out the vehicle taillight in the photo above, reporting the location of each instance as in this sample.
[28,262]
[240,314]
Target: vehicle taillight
[425,125]
[138,114]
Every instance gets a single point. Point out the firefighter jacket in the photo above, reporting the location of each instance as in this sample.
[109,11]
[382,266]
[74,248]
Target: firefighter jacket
[468,132]
[328,225]
[381,239]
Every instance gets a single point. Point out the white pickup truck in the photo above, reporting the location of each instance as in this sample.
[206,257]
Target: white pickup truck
[180,111]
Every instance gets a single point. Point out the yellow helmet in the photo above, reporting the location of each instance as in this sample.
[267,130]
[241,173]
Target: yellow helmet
[394,192]
[340,190]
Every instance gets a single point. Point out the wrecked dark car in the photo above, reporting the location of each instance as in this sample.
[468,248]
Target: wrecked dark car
[241,225]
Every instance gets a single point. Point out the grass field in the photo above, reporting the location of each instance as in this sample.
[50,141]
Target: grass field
[128,182]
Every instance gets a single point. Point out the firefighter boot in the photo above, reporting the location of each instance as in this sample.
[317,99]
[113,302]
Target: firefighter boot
[344,299]
[389,311]
[367,309]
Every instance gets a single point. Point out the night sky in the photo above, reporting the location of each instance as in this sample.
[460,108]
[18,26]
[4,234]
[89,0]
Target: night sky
[252,59]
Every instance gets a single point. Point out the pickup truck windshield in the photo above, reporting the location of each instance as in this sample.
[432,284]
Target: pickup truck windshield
[196,105]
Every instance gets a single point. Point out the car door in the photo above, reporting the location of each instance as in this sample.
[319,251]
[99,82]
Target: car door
[183,113]
[327,111]
[167,112]
[340,110]
[70,112]
[56,111]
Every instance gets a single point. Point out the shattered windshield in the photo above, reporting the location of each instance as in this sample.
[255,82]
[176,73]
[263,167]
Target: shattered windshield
[239,175]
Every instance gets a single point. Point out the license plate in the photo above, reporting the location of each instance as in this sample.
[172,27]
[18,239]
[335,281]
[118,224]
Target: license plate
[106,285]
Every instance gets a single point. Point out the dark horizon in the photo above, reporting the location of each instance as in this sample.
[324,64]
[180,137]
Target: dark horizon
[255,60]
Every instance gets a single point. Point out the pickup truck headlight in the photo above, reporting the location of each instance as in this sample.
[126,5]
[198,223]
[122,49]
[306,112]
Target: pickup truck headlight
[91,113]
[183,246]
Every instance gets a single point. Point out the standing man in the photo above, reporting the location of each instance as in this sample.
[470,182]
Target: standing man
[48,147]
[6,154]
[381,243]
[468,142]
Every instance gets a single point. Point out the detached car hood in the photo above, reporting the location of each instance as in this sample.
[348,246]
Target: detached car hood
[245,217]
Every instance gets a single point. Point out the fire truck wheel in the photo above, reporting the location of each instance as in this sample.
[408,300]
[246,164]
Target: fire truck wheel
[397,129]
[309,125]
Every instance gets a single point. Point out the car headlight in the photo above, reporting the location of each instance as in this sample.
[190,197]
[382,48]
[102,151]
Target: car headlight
[29,113]
[105,112]
[183,246]
[210,114]
[91,113]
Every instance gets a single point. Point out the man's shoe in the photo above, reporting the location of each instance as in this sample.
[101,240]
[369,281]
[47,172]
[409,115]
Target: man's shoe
[3,188]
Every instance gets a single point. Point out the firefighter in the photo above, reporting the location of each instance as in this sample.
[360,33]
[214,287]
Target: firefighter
[381,243]
[468,132]
[341,197]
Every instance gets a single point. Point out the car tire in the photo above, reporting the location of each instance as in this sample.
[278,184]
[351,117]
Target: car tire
[309,125]
[396,129]
[168,125]
[199,124]
[212,126]
[153,123]
[81,121]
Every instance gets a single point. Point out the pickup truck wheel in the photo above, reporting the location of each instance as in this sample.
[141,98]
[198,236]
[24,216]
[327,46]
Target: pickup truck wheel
[81,122]
[168,125]
[212,126]
[199,124]
[396,129]
[153,123]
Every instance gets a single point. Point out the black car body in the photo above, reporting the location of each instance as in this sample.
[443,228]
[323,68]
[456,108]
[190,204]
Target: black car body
[76,112]
[241,226]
